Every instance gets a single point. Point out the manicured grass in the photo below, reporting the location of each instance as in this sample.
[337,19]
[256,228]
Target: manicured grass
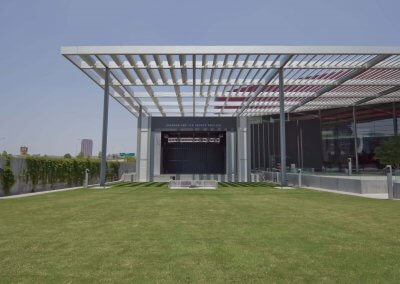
[241,233]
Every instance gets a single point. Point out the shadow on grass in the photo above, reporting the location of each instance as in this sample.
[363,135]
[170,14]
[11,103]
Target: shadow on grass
[221,184]
[245,184]
[142,184]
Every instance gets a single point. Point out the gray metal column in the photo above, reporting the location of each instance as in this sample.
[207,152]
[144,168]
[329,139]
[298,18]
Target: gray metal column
[243,149]
[236,150]
[194,84]
[355,138]
[138,133]
[263,144]
[298,145]
[103,165]
[258,146]
[151,153]
[252,128]
[269,147]
[395,126]
[248,152]
[282,128]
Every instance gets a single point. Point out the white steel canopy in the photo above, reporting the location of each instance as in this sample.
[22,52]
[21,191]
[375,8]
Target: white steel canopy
[240,80]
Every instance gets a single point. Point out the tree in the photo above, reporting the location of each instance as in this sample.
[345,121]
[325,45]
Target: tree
[389,152]
[130,159]
[68,156]
[80,155]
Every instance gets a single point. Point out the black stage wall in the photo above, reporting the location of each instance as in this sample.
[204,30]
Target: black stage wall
[192,154]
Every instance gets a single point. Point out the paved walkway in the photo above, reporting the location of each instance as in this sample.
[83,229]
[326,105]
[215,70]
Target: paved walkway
[38,193]
[51,191]
[367,195]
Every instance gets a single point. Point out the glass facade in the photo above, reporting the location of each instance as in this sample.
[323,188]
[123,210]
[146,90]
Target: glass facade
[345,133]
[375,123]
[337,133]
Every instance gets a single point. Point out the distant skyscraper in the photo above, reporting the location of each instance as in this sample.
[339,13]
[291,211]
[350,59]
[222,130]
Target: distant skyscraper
[23,150]
[87,147]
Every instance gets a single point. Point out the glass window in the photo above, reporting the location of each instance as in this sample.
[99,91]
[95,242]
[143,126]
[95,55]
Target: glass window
[374,124]
[337,132]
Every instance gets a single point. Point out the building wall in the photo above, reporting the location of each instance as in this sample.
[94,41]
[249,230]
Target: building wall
[149,146]
[230,156]
[144,150]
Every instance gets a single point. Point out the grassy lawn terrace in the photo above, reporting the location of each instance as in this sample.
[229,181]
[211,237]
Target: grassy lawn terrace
[145,232]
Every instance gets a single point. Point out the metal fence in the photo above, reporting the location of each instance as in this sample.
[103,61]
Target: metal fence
[383,183]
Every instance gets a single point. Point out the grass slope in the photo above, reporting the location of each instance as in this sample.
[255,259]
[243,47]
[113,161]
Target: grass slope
[238,233]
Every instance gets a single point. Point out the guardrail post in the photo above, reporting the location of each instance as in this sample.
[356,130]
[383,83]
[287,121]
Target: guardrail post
[350,166]
[389,181]
[86,181]
[299,177]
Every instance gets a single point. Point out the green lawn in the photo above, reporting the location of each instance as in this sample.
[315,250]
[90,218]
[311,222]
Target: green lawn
[238,233]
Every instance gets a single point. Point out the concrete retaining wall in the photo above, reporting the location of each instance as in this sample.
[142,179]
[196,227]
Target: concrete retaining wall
[353,184]
[126,168]
[128,177]
[396,190]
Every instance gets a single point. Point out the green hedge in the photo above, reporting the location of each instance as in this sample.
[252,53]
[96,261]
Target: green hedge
[46,170]
[6,175]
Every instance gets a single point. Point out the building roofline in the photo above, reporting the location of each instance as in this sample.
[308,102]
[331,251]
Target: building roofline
[223,49]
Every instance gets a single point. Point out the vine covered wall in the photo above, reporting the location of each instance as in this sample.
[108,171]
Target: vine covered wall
[46,170]
[7,178]
[24,174]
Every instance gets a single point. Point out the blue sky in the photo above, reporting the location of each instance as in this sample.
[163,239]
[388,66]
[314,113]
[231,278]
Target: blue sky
[48,105]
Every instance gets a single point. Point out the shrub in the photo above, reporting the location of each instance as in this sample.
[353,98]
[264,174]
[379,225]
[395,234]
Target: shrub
[6,175]
[389,152]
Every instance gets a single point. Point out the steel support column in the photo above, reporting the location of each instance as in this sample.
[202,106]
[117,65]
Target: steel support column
[138,144]
[194,84]
[282,128]
[395,126]
[263,144]
[244,155]
[258,147]
[103,165]
[355,138]
[236,150]
[253,146]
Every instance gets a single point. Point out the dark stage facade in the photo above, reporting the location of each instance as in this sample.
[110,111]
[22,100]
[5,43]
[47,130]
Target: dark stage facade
[187,152]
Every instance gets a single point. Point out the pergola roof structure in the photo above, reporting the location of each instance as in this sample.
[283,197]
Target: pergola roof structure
[240,80]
